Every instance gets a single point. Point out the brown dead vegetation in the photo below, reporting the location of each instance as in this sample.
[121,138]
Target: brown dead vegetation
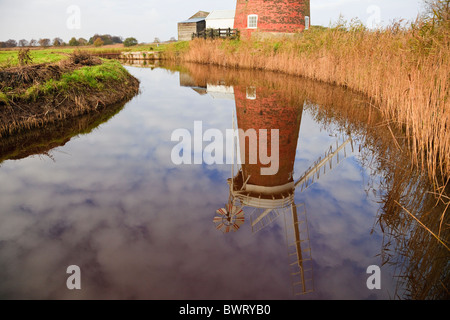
[18,114]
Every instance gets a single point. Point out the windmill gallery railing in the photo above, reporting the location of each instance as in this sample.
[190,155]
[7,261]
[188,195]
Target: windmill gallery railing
[217,33]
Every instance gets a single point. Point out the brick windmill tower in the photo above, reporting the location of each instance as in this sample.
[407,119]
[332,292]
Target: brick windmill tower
[272,16]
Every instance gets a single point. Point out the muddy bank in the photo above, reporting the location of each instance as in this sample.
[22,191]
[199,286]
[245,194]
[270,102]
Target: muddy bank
[37,95]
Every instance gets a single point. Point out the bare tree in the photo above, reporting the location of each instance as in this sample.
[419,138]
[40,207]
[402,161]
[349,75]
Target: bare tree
[11,43]
[82,41]
[33,43]
[58,42]
[23,43]
[117,39]
[44,42]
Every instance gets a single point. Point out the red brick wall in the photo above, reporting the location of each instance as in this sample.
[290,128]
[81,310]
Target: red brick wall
[287,16]
[269,111]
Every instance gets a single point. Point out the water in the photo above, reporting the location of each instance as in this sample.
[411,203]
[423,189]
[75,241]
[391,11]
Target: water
[104,194]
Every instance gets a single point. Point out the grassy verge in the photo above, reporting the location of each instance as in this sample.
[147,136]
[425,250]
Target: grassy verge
[97,77]
[33,96]
[404,69]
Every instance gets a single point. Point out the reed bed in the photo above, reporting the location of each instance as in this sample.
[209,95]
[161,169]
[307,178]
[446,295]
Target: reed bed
[404,69]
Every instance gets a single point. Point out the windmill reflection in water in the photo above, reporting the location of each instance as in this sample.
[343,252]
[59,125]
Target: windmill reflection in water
[264,198]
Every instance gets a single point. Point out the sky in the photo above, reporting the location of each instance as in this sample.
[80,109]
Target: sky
[147,19]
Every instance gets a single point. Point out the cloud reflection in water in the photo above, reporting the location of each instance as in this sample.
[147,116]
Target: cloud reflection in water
[113,203]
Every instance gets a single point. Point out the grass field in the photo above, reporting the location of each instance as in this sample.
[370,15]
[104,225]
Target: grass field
[8,57]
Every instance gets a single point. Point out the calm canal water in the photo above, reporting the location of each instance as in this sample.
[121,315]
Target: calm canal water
[104,193]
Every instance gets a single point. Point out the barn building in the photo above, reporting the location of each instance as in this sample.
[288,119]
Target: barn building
[220,19]
[194,24]
[272,16]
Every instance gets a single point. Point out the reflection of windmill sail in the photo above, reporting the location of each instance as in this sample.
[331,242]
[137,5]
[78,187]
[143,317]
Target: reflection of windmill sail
[299,251]
[259,220]
[313,173]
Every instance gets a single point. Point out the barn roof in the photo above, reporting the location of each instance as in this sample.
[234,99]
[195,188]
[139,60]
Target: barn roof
[192,20]
[200,14]
[221,14]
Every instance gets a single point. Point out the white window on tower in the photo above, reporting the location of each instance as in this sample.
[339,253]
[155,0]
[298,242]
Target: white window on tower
[306,22]
[252,21]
